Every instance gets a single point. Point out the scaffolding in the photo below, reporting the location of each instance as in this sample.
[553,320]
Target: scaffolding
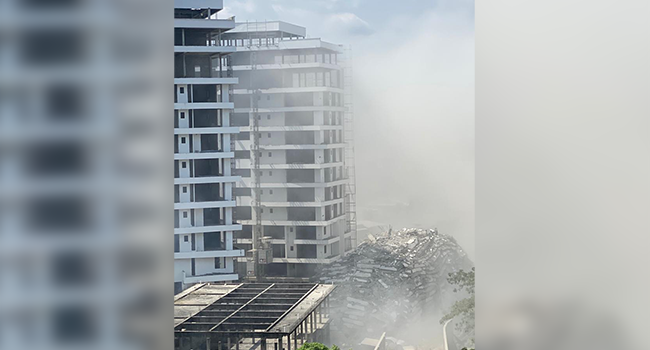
[261,253]
[348,131]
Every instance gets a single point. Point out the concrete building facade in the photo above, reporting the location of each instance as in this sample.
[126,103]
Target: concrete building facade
[298,85]
[203,157]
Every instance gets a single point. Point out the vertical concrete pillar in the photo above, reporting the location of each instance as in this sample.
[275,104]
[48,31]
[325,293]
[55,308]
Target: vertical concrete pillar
[207,343]
[295,339]
[219,345]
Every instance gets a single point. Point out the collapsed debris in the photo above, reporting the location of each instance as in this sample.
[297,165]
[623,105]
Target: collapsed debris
[389,280]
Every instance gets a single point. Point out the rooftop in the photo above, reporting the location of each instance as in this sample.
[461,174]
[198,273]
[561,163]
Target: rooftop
[269,27]
[247,309]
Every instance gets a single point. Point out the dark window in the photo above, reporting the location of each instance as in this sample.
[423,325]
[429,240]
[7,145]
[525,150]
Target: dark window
[182,115]
[184,165]
[270,154]
[291,248]
[74,324]
[184,189]
[290,229]
[182,139]
[186,238]
[217,263]
[182,90]
[325,249]
[271,210]
[185,215]
[72,268]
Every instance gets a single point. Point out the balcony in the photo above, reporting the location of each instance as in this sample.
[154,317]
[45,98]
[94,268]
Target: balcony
[209,254]
[212,228]
[217,277]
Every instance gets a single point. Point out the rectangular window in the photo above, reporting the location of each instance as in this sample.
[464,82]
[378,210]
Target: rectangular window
[290,229]
[270,154]
[184,165]
[217,263]
[291,248]
[182,90]
[325,249]
[184,215]
[182,115]
[184,189]
[271,211]
[182,139]
[186,238]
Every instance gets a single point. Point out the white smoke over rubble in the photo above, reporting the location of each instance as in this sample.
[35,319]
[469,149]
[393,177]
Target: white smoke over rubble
[394,283]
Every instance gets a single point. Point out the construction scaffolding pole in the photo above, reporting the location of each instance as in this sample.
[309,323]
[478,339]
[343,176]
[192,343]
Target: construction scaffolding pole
[254,94]
[348,131]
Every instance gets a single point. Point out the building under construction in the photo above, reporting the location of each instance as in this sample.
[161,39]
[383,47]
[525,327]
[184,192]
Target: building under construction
[203,158]
[295,149]
[268,316]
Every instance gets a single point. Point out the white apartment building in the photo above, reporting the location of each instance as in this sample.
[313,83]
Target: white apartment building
[203,184]
[303,177]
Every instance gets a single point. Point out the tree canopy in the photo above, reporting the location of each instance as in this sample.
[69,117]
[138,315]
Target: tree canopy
[463,310]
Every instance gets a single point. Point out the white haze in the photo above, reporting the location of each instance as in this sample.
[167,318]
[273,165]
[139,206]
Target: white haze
[414,103]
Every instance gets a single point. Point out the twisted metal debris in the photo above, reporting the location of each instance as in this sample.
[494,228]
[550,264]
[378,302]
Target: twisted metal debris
[390,280]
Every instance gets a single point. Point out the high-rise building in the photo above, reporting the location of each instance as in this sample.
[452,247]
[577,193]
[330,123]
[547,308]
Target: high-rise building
[84,174]
[291,152]
[203,184]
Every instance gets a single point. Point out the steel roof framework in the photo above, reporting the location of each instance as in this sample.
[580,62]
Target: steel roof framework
[258,310]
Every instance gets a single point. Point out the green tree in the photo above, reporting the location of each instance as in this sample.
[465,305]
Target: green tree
[317,346]
[463,310]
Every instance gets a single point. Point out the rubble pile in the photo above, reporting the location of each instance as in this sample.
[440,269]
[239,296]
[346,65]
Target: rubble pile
[389,280]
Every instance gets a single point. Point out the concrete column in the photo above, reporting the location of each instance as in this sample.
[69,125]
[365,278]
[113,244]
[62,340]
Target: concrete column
[295,339]
[219,345]
[229,240]
[207,343]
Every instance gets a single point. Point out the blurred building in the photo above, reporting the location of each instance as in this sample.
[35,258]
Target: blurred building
[84,174]
[295,147]
[203,156]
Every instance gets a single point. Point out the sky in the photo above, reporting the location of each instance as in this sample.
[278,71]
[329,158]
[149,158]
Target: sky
[413,101]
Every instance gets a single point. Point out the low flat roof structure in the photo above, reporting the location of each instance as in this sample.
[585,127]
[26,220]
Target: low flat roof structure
[251,315]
